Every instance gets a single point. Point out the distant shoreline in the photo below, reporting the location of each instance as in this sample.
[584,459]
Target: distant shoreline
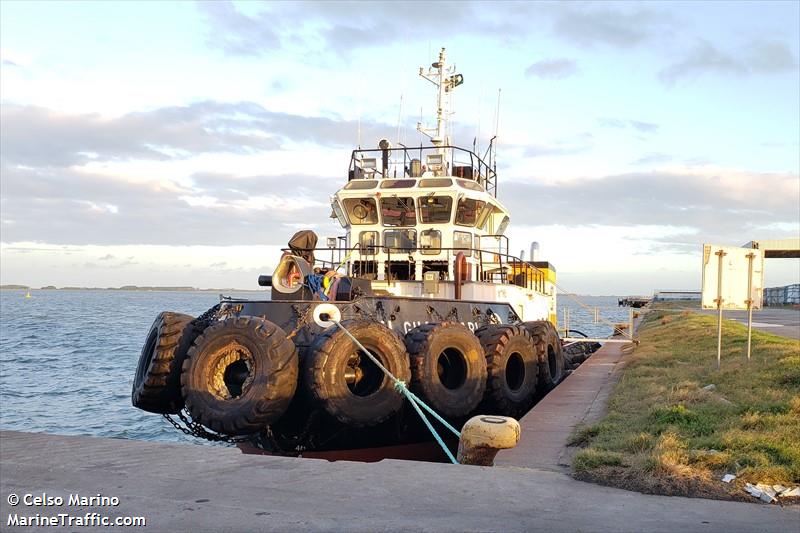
[126,288]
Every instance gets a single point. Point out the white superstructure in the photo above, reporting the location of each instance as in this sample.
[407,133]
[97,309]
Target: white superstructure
[412,213]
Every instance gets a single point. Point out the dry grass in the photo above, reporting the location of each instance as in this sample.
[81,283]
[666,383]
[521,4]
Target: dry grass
[665,434]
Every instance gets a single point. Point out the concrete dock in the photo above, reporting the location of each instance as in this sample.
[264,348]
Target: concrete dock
[180,487]
[579,399]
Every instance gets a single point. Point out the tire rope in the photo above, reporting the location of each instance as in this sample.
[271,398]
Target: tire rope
[400,386]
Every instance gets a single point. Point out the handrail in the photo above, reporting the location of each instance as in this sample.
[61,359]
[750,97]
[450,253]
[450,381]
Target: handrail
[508,270]
[486,172]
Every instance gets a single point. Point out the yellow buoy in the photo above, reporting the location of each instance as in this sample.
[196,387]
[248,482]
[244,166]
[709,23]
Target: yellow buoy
[28,294]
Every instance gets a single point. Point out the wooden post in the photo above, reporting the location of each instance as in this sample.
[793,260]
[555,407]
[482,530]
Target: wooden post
[719,254]
[750,258]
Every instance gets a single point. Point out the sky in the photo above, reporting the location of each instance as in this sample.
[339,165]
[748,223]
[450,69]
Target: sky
[182,143]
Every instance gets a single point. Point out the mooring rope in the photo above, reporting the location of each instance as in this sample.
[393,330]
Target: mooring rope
[402,389]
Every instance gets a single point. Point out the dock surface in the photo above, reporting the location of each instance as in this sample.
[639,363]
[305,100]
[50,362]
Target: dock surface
[580,399]
[184,487]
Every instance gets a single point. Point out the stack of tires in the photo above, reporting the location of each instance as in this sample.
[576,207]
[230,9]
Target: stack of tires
[234,377]
[239,375]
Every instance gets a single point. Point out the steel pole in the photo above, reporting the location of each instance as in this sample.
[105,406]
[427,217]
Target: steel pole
[720,254]
[750,257]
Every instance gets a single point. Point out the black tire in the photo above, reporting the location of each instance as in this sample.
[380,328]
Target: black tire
[157,382]
[240,375]
[448,367]
[346,383]
[549,352]
[512,369]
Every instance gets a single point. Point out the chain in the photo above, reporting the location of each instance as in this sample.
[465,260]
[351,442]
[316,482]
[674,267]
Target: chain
[194,429]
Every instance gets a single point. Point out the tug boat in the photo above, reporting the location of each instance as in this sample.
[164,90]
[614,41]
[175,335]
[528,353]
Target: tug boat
[422,278]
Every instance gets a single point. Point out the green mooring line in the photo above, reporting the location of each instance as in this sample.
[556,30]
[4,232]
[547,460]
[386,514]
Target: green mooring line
[415,401]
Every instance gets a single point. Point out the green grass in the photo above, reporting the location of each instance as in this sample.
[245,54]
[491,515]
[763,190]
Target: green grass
[665,434]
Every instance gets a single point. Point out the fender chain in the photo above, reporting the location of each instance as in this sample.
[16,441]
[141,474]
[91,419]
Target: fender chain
[194,429]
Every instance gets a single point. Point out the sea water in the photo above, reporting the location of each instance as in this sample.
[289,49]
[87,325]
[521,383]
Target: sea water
[67,358]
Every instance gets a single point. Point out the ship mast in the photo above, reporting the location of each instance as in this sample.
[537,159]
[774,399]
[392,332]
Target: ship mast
[445,79]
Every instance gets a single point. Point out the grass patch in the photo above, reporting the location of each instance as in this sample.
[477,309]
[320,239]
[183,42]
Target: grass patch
[666,434]
[592,458]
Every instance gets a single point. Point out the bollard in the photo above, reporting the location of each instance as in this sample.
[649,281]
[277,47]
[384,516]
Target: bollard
[483,436]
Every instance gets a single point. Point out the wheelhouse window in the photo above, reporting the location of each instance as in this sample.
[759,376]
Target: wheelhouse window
[430,242]
[483,216]
[361,184]
[471,185]
[468,210]
[338,213]
[503,225]
[435,209]
[400,240]
[361,211]
[368,242]
[462,242]
[398,184]
[397,211]
[435,182]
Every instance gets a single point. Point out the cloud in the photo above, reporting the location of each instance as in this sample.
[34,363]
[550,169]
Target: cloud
[238,34]
[337,27]
[554,69]
[544,150]
[340,28]
[638,125]
[242,210]
[653,158]
[721,204]
[35,136]
[621,28]
[766,57]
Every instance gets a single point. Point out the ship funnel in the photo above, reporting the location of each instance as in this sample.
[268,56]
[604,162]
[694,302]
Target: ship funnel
[534,250]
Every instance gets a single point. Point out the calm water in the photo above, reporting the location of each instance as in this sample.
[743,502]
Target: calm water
[67,358]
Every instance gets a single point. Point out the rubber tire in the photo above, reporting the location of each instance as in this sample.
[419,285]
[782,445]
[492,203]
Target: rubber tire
[157,382]
[499,344]
[552,363]
[324,368]
[274,368]
[425,343]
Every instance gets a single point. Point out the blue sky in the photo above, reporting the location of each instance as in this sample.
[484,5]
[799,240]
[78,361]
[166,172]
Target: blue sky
[183,143]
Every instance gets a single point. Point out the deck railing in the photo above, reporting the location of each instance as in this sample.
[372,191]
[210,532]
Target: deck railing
[487,265]
[397,163]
